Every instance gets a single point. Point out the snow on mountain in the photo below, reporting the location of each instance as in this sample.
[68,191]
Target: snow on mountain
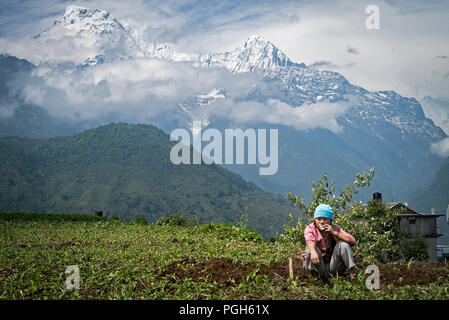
[97,30]
[254,54]
[92,21]
[107,40]
[213,95]
[95,33]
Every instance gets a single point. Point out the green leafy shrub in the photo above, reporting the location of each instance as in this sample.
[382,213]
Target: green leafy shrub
[376,229]
[245,234]
[324,192]
[414,248]
[176,220]
[139,220]
[293,232]
[241,220]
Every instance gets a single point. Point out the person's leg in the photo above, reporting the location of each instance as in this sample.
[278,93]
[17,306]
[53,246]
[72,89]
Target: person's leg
[309,266]
[342,258]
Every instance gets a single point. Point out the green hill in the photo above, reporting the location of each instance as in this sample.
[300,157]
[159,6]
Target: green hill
[125,170]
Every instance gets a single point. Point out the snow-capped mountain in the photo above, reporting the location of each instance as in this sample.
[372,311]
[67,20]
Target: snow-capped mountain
[380,129]
[301,85]
[104,35]
[89,21]
[254,54]
[94,33]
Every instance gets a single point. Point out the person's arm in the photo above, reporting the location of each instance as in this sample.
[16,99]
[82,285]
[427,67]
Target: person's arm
[313,253]
[341,234]
[310,244]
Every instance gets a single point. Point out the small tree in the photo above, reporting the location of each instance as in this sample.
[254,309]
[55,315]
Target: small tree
[375,228]
[241,219]
[323,192]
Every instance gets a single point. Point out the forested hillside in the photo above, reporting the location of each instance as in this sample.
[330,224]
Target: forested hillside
[125,170]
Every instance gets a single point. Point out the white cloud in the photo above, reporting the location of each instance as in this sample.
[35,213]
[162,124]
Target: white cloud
[438,110]
[140,87]
[441,148]
[273,111]
[49,51]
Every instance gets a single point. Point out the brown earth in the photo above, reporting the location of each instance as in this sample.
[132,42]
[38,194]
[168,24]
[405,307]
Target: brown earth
[224,271]
[418,273]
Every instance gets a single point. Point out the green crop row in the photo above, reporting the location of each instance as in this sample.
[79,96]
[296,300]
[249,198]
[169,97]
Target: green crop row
[118,260]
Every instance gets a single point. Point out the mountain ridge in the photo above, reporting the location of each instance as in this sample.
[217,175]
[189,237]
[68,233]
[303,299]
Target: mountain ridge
[256,54]
[380,129]
[436,193]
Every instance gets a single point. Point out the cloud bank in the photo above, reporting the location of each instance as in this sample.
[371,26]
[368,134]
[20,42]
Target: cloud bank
[441,148]
[273,111]
[139,87]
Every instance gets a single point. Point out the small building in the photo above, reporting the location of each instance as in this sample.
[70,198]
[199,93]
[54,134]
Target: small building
[442,253]
[447,214]
[416,224]
[443,241]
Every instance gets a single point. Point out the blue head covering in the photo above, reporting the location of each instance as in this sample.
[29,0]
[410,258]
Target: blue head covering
[324,210]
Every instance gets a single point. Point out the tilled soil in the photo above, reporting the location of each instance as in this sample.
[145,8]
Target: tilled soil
[418,273]
[224,271]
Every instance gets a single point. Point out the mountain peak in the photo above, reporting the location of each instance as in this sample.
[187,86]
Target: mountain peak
[81,11]
[256,39]
[258,53]
[86,19]
[96,34]
[78,13]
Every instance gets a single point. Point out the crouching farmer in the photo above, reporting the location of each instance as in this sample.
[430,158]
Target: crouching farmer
[328,248]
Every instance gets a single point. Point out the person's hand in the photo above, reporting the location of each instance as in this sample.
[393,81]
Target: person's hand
[314,257]
[328,228]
